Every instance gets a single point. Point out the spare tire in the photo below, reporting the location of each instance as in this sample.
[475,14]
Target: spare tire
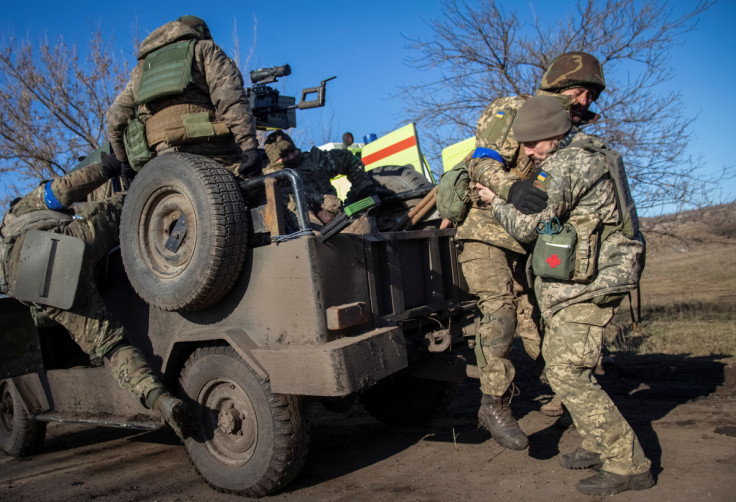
[183,232]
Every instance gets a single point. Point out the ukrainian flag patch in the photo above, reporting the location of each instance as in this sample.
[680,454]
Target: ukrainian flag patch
[542,177]
[500,114]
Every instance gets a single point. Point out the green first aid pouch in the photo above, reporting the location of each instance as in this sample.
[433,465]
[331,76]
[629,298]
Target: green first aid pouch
[452,193]
[554,251]
[136,144]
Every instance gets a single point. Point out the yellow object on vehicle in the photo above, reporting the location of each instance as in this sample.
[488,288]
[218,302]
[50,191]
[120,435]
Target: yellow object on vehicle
[397,148]
[454,154]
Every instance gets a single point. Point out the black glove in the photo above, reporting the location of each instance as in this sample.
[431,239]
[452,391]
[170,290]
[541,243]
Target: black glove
[251,164]
[111,165]
[527,198]
[127,173]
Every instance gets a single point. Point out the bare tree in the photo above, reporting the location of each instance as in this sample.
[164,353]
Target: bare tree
[52,107]
[486,53]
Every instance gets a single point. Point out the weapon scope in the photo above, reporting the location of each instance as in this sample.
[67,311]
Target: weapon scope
[269,75]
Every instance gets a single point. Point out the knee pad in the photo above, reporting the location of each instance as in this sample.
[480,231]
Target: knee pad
[497,332]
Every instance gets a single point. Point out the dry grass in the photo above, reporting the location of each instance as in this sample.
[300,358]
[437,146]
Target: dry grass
[688,295]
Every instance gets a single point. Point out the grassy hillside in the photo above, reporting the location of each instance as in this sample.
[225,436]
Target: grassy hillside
[688,290]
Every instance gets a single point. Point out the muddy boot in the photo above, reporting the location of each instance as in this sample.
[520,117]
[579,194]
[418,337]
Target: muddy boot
[608,483]
[580,459]
[553,408]
[495,416]
[175,413]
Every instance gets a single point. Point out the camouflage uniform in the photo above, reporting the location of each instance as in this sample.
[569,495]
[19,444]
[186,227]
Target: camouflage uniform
[581,192]
[492,261]
[88,320]
[216,88]
[316,168]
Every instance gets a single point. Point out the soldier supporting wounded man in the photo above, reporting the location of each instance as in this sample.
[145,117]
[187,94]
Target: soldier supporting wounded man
[492,261]
[588,254]
[88,320]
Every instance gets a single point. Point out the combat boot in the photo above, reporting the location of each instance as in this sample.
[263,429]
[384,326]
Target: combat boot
[175,413]
[580,459]
[608,483]
[495,416]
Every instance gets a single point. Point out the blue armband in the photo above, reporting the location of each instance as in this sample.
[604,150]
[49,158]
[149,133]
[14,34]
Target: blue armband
[487,153]
[51,201]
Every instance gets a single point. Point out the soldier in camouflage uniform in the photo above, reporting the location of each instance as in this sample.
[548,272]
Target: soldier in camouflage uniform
[93,328]
[492,261]
[207,114]
[582,194]
[316,168]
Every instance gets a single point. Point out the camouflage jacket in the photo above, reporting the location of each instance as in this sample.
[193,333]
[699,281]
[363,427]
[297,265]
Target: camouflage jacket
[317,167]
[216,82]
[581,193]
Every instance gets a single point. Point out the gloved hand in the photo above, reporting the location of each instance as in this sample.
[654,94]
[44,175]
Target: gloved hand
[111,166]
[251,164]
[527,198]
[127,172]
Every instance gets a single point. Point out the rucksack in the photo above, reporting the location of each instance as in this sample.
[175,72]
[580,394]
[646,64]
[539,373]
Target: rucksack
[453,200]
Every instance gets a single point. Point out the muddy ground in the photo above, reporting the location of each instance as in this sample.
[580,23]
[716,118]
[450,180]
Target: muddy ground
[683,410]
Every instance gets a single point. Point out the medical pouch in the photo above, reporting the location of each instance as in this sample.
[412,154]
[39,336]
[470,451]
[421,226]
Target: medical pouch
[554,251]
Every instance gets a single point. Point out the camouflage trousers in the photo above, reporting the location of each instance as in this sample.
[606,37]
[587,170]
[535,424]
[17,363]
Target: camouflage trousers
[497,277]
[89,321]
[572,346]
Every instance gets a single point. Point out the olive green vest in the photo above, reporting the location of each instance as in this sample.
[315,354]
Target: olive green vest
[166,71]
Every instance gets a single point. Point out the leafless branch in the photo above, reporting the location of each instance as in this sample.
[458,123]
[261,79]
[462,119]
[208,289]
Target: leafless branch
[485,52]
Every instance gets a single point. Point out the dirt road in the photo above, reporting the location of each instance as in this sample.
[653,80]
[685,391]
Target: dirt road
[683,410]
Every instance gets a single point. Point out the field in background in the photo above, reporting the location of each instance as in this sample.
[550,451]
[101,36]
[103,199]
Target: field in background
[688,290]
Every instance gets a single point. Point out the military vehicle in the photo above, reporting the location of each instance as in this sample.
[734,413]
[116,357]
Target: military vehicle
[248,319]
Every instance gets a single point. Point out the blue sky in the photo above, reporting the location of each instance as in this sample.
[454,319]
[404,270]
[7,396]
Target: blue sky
[364,45]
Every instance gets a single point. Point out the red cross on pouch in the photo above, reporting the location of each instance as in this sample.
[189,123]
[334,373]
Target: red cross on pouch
[553,261]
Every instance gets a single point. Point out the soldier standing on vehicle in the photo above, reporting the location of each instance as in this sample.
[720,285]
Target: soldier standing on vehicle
[588,255]
[186,95]
[492,261]
[94,329]
[316,168]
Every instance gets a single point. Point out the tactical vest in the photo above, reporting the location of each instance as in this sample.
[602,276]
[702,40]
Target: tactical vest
[624,201]
[167,71]
[496,133]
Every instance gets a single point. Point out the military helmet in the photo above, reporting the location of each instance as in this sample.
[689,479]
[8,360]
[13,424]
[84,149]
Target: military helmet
[278,145]
[574,69]
[539,118]
[197,23]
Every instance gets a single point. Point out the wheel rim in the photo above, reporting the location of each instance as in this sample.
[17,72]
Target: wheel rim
[161,212]
[6,410]
[227,418]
